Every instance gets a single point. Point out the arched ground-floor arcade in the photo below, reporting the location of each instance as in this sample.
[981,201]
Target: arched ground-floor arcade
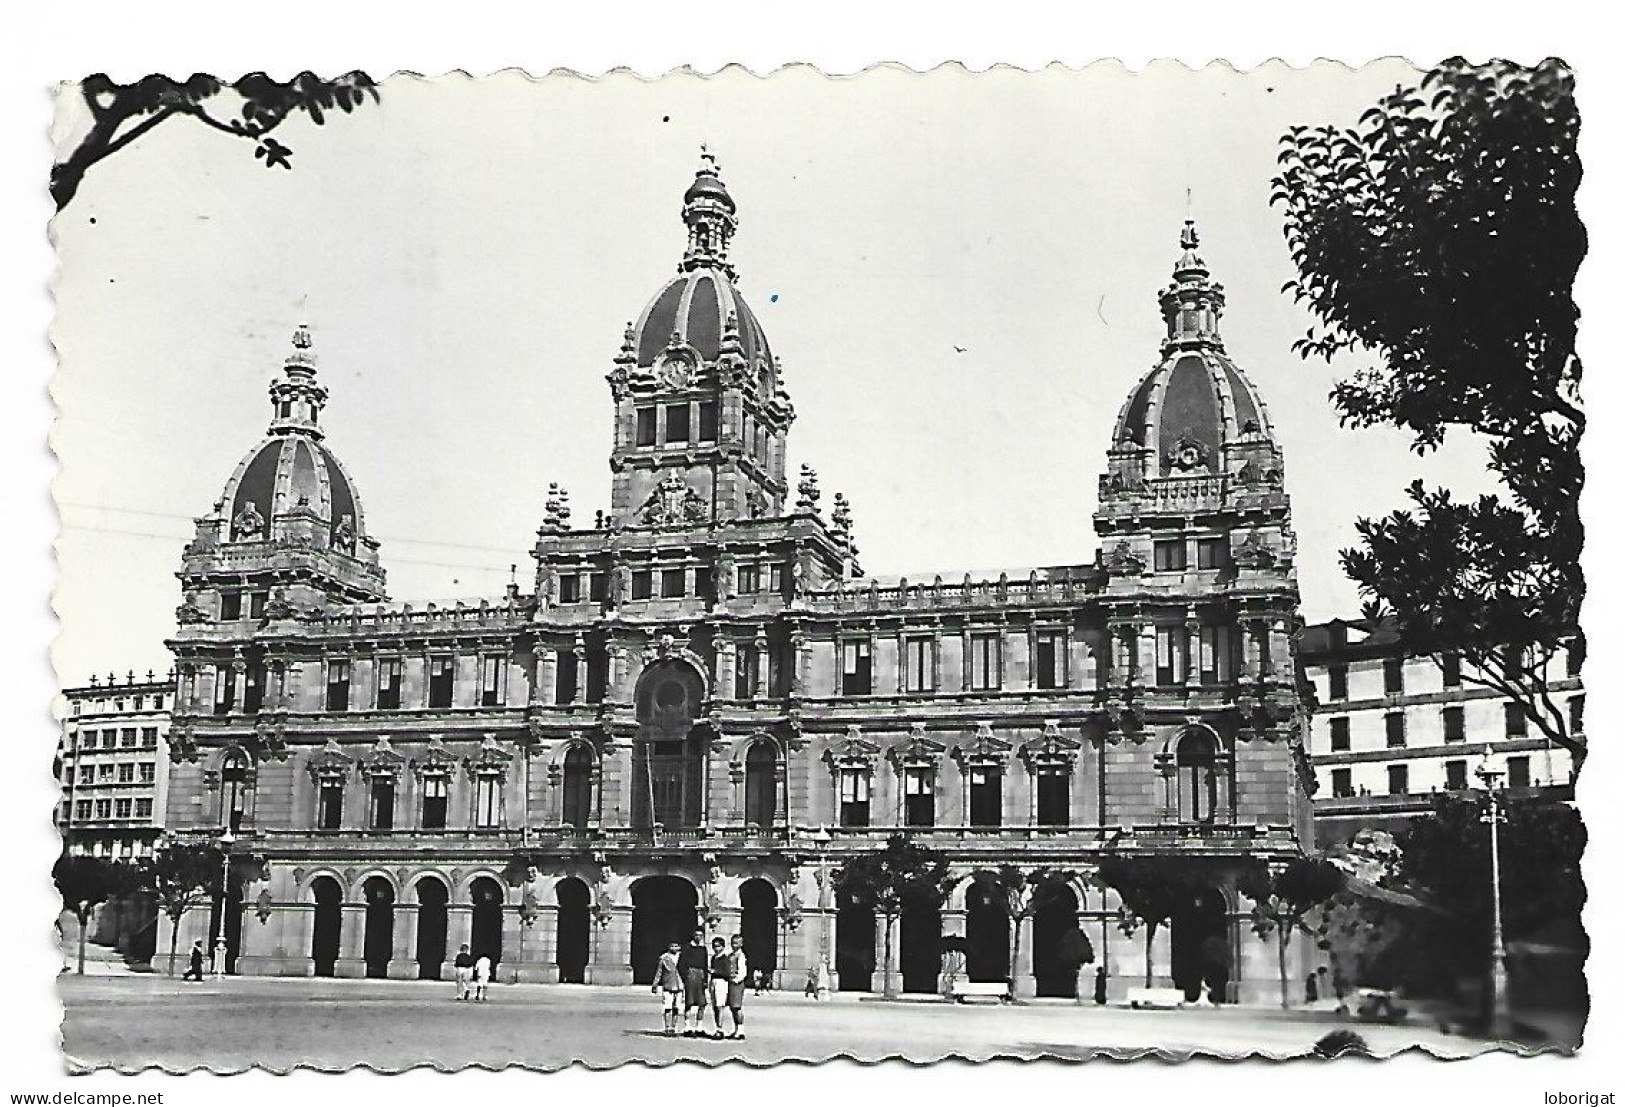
[576,920]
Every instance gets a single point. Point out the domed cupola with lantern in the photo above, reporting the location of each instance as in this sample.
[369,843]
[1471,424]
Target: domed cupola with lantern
[288,533]
[700,413]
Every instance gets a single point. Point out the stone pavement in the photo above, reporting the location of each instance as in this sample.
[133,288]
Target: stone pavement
[133,1022]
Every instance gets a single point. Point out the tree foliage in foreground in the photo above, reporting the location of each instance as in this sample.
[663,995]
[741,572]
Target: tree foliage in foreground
[1283,900]
[249,108]
[85,882]
[887,879]
[1440,237]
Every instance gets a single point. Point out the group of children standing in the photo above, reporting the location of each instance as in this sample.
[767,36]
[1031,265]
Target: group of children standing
[687,978]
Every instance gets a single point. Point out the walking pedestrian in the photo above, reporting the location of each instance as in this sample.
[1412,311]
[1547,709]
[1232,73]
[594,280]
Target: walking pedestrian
[668,986]
[464,965]
[1310,989]
[194,966]
[738,973]
[695,964]
[721,972]
[482,975]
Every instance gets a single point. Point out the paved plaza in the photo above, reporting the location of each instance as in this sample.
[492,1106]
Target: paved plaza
[129,1022]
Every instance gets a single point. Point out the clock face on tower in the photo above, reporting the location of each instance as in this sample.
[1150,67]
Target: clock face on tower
[675,373]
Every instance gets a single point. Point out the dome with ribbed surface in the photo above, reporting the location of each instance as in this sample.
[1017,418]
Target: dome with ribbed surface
[695,306]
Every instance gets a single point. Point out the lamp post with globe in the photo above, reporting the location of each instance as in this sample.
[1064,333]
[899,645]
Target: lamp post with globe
[821,839]
[1490,772]
[226,842]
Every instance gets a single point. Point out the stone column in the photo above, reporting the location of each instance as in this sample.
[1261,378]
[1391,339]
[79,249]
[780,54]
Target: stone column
[547,675]
[936,657]
[1193,652]
[758,682]
[579,650]
[902,661]
[965,663]
[726,657]
[611,957]
[403,962]
[1021,972]
[352,937]
[459,927]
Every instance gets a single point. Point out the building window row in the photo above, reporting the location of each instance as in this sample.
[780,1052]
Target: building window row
[103,810]
[681,422]
[1454,719]
[984,795]
[234,604]
[123,738]
[439,685]
[434,801]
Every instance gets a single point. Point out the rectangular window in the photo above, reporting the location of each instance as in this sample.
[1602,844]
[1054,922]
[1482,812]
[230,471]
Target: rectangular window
[389,683]
[854,797]
[1394,726]
[109,739]
[676,423]
[254,686]
[1517,723]
[598,587]
[565,677]
[919,802]
[493,680]
[1212,553]
[149,737]
[104,809]
[857,676]
[442,672]
[1171,649]
[1577,715]
[1054,799]
[338,685]
[1214,646]
[381,804]
[1455,724]
[126,773]
[673,583]
[329,805]
[149,772]
[775,579]
[1450,668]
[985,799]
[1399,780]
[744,672]
[158,703]
[231,606]
[1513,661]
[435,786]
[123,809]
[1517,772]
[1455,775]
[646,426]
[143,809]
[597,675]
[708,421]
[1393,676]
[1342,783]
[225,693]
[750,579]
[1049,659]
[81,809]
[104,772]
[917,665]
[702,583]
[256,605]
[487,801]
[570,588]
[1168,556]
[67,775]
[984,662]
[128,737]
[1337,681]
[643,581]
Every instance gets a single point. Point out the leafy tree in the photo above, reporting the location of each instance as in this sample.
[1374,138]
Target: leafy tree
[1441,238]
[181,876]
[887,879]
[1025,894]
[256,106]
[1282,901]
[85,882]
[1152,890]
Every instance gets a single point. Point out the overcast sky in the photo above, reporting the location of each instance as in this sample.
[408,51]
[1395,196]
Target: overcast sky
[468,252]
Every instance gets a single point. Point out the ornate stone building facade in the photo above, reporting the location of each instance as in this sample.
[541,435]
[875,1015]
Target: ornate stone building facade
[702,706]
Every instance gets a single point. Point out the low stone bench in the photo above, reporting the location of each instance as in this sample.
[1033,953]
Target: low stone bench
[963,990]
[1161,998]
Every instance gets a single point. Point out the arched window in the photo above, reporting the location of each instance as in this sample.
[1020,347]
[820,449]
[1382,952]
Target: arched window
[234,777]
[577,799]
[1196,762]
[761,788]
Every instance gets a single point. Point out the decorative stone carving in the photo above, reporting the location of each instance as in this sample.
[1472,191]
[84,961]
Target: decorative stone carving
[1187,455]
[344,534]
[1254,553]
[249,524]
[189,611]
[556,509]
[263,909]
[332,762]
[1124,562]
[672,504]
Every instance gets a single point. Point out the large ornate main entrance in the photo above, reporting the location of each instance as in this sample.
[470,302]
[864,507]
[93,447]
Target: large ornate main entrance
[664,910]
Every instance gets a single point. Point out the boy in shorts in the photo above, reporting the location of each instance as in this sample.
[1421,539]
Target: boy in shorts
[668,986]
[738,973]
[721,977]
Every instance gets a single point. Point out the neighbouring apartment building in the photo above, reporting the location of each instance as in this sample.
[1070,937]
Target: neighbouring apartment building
[700,706]
[1389,731]
[113,765]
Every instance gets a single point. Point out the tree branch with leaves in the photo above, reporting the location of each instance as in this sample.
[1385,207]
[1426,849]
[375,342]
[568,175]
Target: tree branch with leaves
[889,879]
[85,882]
[1283,899]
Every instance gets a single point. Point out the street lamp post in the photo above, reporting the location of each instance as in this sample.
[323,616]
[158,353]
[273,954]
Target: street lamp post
[226,842]
[1490,772]
[821,839]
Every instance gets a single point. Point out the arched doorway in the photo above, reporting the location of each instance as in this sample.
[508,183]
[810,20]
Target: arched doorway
[854,944]
[668,760]
[1199,946]
[378,942]
[485,931]
[664,910]
[577,799]
[919,942]
[1055,956]
[326,924]
[761,784]
[759,925]
[1197,760]
[574,928]
[987,932]
[431,951]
